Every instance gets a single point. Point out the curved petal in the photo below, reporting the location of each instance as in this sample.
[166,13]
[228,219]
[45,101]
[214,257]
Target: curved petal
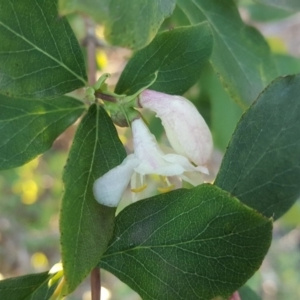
[109,188]
[186,130]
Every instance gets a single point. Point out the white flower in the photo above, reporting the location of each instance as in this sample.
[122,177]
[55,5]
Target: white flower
[148,158]
[186,130]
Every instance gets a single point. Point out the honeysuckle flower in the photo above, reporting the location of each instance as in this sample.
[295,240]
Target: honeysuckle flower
[186,130]
[147,159]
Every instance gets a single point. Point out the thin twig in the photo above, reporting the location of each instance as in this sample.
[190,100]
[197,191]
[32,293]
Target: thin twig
[91,58]
[95,284]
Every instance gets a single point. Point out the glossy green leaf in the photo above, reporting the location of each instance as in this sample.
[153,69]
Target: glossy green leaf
[39,54]
[29,127]
[240,56]
[129,23]
[177,57]
[246,293]
[28,287]
[289,5]
[261,166]
[187,244]
[85,225]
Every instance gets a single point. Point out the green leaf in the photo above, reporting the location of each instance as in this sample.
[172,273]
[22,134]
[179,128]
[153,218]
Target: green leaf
[85,225]
[187,244]
[225,113]
[288,5]
[246,293]
[29,127]
[287,64]
[262,13]
[28,287]
[177,56]
[39,54]
[130,23]
[240,56]
[261,166]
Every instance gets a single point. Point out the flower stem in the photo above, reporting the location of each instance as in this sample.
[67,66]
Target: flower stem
[95,284]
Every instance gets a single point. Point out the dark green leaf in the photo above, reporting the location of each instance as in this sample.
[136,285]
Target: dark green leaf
[39,55]
[177,56]
[28,287]
[289,5]
[187,244]
[85,225]
[261,166]
[29,127]
[240,55]
[127,23]
[246,293]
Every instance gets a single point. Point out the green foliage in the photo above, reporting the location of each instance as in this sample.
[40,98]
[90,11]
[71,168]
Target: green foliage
[246,293]
[39,63]
[29,287]
[177,57]
[187,244]
[289,5]
[261,165]
[85,225]
[225,113]
[130,23]
[29,127]
[198,243]
[240,55]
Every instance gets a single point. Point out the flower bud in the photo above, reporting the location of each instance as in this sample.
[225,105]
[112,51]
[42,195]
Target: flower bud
[186,130]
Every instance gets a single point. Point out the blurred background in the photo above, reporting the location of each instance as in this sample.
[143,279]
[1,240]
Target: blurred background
[31,194]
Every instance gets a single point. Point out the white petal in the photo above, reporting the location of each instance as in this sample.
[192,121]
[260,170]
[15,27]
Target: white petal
[146,148]
[109,188]
[186,130]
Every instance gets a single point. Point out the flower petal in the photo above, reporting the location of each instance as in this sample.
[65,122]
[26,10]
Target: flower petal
[109,188]
[186,130]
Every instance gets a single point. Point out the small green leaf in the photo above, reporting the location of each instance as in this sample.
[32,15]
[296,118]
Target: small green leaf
[187,244]
[241,56]
[129,23]
[28,287]
[85,225]
[177,56]
[29,127]
[261,166]
[39,54]
[246,293]
[288,5]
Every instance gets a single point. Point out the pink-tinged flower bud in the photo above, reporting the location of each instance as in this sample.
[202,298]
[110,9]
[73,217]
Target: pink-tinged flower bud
[186,130]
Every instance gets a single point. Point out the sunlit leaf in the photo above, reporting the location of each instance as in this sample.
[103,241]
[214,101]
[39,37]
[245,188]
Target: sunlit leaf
[240,55]
[129,23]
